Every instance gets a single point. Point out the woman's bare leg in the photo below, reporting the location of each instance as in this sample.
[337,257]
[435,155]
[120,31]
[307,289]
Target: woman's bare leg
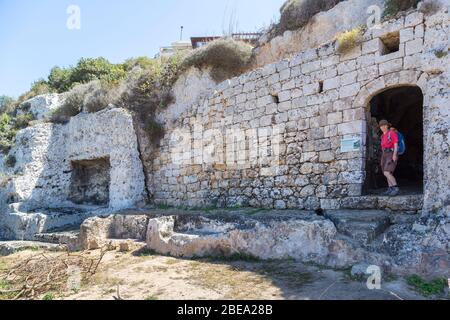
[391,179]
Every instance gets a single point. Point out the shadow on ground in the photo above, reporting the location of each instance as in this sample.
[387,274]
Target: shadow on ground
[248,278]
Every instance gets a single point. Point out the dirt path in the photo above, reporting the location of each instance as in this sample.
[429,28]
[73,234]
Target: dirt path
[152,277]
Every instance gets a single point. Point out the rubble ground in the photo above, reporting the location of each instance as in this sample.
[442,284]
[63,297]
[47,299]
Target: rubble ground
[141,275]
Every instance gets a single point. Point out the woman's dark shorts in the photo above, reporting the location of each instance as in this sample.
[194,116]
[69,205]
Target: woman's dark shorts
[387,162]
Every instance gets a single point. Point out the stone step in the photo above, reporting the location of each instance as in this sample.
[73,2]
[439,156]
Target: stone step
[25,225]
[399,204]
[361,225]
[68,238]
[11,247]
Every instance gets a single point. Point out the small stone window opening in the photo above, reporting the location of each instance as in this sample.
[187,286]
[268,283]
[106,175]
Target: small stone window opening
[390,43]
[320,86]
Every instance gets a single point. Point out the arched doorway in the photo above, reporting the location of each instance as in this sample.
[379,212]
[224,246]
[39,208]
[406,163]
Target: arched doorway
[403,108]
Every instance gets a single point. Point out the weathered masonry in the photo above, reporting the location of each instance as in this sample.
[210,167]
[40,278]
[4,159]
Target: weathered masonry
[300,133]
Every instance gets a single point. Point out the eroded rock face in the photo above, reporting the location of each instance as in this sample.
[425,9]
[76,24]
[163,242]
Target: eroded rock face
[191,87]
[16,225]
[41,106]
[96,232]
[423,248]
[46,153]
[308,239]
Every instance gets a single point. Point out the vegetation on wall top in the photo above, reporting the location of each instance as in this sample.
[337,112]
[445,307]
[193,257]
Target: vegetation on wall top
[392,7]
[141,85]
[349,39]
[226,58]
[9,125]
[297,13]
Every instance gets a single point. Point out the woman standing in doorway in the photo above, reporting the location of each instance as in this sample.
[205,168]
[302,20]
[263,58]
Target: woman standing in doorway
[389,159]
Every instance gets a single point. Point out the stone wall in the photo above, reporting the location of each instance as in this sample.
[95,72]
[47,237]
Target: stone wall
[272,137]
[42,175]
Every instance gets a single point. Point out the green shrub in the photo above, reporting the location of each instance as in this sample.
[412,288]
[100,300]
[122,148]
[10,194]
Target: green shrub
[427,288]
[9,126]
[349,40]
[5,294]
[146,91]
[297,13]
[60,79]
[7,132]
[48,296]
[22,121]
[92,97]
[393,7]
[90,69]
[226,58]
[441,53]
[7,104]
[87,70]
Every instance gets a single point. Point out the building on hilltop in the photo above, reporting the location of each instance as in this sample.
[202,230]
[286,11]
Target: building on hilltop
[198,42]
[250,38]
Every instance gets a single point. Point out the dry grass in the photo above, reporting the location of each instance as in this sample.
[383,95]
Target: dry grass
[297,13]
[43,273]
[349,40]
[100,96]
[132,276]
[225,57]
[73,104]
[147,88]
[228,280]
[90,97]
[147,91]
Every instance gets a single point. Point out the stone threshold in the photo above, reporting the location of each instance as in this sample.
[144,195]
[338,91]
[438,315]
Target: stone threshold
[410,204]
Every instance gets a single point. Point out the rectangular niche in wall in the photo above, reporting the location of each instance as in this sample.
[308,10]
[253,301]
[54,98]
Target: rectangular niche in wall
[90,182]
[390,43]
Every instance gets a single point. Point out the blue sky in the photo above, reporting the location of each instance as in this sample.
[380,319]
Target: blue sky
[34,36]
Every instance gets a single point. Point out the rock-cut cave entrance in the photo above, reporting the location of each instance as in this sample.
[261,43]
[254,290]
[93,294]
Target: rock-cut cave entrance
[90,182]
[403,108]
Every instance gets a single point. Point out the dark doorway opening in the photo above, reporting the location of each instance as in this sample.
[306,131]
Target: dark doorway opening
[90,182]
[403,108]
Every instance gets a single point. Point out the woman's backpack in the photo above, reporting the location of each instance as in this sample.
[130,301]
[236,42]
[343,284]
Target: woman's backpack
[401,143]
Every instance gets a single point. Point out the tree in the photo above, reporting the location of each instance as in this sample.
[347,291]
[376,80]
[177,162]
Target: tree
[96,69]
[60,79]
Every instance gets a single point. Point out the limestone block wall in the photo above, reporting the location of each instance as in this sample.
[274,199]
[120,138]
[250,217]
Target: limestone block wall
[273,137]
[41,177]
